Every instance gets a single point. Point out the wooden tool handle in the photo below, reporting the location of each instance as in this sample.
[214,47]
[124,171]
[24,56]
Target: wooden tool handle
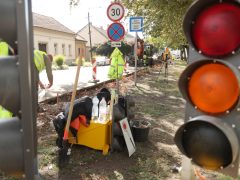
[72,100]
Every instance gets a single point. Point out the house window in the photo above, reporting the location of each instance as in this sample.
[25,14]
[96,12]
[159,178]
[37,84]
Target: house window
[42,47]
[79,51]
[63,49]
[55,48]
[70,50]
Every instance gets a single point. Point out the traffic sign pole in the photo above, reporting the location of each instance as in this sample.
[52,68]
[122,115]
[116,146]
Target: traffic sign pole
[116,31]
[136,58]
[136,25]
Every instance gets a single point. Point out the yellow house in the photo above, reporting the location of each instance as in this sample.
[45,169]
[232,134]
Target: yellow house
[80,47]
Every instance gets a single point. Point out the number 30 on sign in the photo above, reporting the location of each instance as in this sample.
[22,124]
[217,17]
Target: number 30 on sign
[115,11]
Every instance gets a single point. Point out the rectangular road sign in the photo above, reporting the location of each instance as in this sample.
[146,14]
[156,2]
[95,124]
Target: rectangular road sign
[116,44]
[136,24]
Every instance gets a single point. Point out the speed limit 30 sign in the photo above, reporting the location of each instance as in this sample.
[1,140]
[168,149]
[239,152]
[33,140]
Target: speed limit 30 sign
[115,11]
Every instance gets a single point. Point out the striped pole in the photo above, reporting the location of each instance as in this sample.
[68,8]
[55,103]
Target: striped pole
[94,71]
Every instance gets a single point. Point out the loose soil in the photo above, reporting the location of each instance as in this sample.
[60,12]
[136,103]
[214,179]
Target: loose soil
[158,101]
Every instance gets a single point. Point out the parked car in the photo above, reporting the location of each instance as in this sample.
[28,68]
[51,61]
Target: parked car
[102,60]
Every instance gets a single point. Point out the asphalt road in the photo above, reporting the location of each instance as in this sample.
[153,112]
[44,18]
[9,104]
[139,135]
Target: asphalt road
[64,80]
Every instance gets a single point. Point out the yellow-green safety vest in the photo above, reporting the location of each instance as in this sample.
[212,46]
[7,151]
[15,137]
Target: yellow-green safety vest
[117,65]
[116,68]
[4,113]
[3,49]
[39,60]
[4,52]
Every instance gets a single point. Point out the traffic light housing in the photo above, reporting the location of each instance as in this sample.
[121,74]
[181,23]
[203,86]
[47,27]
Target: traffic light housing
[210,85]
[18,91]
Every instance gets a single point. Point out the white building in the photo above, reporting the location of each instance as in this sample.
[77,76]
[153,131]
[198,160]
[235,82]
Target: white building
[53,37]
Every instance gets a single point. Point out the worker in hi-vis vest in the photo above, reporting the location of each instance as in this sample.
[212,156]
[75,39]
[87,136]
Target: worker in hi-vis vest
[117,65]
[43,61]
[167,55]
[4,51]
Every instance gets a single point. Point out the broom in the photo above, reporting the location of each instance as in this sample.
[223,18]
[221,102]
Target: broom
[63,152]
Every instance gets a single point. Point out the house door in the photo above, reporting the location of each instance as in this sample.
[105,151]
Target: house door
[42,47]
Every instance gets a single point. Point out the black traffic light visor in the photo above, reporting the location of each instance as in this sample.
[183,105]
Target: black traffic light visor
[208,141]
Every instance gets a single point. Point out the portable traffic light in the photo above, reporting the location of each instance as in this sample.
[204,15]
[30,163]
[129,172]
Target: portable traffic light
[18,155]
[210,85]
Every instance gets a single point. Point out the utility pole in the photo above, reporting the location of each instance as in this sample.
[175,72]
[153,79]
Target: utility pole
[90,39]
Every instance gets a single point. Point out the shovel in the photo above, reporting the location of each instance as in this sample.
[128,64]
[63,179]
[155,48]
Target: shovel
[64,152]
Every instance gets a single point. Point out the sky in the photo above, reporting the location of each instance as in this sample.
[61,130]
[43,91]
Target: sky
[76,18]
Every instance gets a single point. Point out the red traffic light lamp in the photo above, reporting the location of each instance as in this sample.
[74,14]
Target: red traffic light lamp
[214,31]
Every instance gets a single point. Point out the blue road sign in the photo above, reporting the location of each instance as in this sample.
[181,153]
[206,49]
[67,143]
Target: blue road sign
[116,31]
[136,24]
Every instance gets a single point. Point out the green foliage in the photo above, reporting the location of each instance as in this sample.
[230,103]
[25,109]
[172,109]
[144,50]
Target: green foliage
[59,60]
[106,49]
[82,61]
[162,19]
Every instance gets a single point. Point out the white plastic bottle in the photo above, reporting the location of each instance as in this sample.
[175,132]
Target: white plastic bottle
[102,110]
[95,108]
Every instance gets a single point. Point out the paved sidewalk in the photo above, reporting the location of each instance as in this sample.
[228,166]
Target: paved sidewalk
[64,80]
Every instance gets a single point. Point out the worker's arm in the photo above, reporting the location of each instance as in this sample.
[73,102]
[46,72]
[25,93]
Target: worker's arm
[11,50]
[48,65]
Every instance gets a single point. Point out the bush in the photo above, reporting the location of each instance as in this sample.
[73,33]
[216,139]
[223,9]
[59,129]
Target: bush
[82,62]
[59,60]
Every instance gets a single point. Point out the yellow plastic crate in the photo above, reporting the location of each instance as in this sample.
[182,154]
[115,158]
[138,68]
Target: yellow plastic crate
[96,136]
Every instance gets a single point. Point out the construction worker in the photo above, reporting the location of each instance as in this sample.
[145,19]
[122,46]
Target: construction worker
[117,65]
[43,61]
[167,55]
[4,51]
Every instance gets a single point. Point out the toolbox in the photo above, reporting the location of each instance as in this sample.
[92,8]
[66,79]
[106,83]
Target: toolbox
[97,136]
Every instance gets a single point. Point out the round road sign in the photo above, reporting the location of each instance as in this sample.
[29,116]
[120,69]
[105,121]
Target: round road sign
[115,12]
[116,31]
